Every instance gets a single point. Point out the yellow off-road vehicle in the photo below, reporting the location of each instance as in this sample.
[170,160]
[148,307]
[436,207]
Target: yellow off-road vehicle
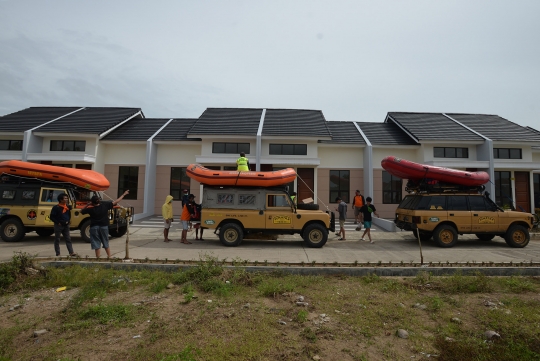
[444,215]
[25,206]
[239,213]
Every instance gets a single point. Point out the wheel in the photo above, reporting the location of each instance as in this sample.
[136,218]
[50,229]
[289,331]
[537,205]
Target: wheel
[445,236]
[231,234]
[45,232]
[85,230]
[315,235]
[517,236]
[308,206]
[12,230]
[118,232]
[485,236]
[424,236]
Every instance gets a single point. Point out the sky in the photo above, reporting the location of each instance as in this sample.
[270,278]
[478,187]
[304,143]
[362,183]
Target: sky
[354,60]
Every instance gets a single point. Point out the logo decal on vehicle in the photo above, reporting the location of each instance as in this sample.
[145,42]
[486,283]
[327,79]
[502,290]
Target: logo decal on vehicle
[281,220]
[31,214]
[434,219]
[209,221]
[486,220]
[48,218]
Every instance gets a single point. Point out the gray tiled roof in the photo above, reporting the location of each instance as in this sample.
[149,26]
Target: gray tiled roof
[176,130]
[294,122]
[386,134]
[432,126]
[136,129]
[497,128]
[344,133]
[29,118]
[90,120]
[228,121]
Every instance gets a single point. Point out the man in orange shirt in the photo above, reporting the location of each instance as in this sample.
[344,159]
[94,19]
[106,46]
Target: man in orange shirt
[185,218]
[358,202]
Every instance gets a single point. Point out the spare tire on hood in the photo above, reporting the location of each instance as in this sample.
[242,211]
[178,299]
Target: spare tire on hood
[308,206]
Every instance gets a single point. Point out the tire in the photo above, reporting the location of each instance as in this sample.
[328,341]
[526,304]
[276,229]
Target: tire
[315,235]
[85,230]
[118,232]
[45,232]
[445,236]
[424,236]
[308,206]
[231,234]
[517,236]
[12,230]
[485,236]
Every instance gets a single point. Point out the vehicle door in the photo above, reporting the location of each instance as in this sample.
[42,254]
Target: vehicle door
[459,213]
[20,202]
[484,216]
[431,210]
[47,199]
[278,212]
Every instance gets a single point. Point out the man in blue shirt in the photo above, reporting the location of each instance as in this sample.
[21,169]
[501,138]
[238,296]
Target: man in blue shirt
[61,217]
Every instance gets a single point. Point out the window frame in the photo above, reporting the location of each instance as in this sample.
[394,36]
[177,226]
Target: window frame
[343,191]
[184,183]
[502,199]
[497,153]
[63,144]
[133,182]
[297,149]
[456,150]
[231,148]
[396,195]
[10,144]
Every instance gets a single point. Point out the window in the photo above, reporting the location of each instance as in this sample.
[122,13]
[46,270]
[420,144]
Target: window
[28,194]
[68,146]
[11,144]
[8,194]
[288,149]
[392,186]
[434,203]
[507,153]
[503,190]
[339,185]
[50,195]
[128,179]
[179,182]
[230,148]
[450,152]
[536,183]
[278,200]
[457,203]
[225,198]
[245,199]
[479,204]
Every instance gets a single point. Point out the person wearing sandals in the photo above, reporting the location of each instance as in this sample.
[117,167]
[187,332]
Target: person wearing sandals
[167,213]
[185,218]
[342,209]
[61,217]
[367,210]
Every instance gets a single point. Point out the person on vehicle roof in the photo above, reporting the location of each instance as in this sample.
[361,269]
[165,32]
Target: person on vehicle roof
[242,163]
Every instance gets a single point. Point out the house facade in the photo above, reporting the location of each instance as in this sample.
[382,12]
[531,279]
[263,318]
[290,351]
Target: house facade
[149,156]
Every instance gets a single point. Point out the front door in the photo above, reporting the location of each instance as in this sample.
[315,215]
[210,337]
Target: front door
[305,184]
[47,199]
[523,195]
[458,212]
[278,212]
[484,217]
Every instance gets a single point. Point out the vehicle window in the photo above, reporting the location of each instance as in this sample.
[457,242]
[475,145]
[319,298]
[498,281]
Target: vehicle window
[246,198]
[225,198]
[409,202]
[8,194]
[29,194]
[479,204]
[277,200]
[457,203]
[50,195]
[434,203]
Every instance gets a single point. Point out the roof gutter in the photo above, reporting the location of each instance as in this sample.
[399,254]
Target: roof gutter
[368,164]
[104,134]
[402,128]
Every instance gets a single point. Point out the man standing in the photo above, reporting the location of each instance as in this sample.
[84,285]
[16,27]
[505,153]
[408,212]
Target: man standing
[358,202]
[167,213]
[242,163]
[342,209]
[184,198]
[99,222]
[61,217]
[366,210]
[185,219]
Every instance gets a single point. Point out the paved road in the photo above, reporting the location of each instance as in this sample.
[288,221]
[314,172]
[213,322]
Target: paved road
[146,240]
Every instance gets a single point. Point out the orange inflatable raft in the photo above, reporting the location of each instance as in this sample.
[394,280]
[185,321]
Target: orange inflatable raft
[242,179]
[84,178]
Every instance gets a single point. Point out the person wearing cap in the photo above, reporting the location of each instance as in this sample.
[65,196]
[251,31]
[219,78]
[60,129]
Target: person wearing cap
[342,209]
[99,222]
[184,198]
[242,163]
[185,218]
[358,202]
[167,213]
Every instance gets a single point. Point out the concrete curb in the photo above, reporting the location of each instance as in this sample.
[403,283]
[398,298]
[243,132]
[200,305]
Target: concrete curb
[308,270]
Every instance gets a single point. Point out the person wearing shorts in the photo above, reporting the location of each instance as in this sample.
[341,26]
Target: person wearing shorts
[367,210]
[167,213]
[99,222]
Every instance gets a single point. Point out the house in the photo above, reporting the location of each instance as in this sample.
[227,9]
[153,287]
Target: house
[149,156]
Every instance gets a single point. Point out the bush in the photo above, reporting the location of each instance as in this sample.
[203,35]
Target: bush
[10,271]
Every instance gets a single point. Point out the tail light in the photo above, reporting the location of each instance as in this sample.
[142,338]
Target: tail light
[416,219]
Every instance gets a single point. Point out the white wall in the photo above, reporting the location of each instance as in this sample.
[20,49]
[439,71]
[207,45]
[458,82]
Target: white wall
[124,154]
[311,147]
[380,153]
[341,157]
[177,155]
